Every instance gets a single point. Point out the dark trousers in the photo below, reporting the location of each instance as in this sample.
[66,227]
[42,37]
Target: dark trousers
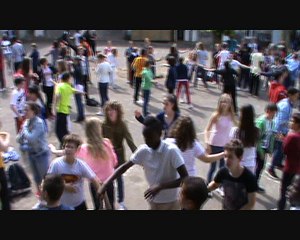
[215,150]
[85,79]
[200,72]
[137,87]
[17,65]
[61,127]
[103,93]
[81,206]
[4,191]
[286,181]
[146,102]
[2,80]
[260,163]
[244,78]
[171,90]
[110,194]
[254,84]
[49,95]
[232,92]
[80,108]
[278,154]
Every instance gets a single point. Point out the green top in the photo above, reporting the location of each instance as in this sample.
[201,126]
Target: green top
[65,91]
[117,133]
[266,136]
[147,77]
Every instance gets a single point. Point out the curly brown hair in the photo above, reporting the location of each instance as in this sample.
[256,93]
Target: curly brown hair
[184,133]
[115,105]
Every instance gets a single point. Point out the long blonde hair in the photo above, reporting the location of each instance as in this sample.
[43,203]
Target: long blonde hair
[95,143]
[226,97]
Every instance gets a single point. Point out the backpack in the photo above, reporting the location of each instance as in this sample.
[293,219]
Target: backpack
[92,102]
[18,178]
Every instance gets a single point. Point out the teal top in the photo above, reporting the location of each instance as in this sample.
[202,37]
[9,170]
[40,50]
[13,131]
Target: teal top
[147,77]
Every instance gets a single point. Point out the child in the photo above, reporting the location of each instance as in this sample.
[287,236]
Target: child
[113,61]
[115,128]
[62,105]
[291,146]
[52,189]
[73,170]
[294,194]
[17,103]
[182,80]
[265,144]
[163,165]
[4,192]
[217,131]
[277,90]
[194,193]
[238,182]
[35,56]
[147,79]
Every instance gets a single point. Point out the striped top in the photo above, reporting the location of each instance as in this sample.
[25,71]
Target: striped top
[138,65]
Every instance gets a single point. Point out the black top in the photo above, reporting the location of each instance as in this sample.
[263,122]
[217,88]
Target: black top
[236,189]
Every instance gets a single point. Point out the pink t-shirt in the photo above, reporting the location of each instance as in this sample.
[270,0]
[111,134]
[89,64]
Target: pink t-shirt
[220,131]
[102,168]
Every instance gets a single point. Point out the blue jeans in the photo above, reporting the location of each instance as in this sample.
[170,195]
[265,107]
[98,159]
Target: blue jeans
[39,163]
[277,154]
[79,105]
[146,102]
[103,93]
[215,150]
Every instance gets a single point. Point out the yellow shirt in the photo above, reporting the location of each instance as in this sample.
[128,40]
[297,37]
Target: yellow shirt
[139,64]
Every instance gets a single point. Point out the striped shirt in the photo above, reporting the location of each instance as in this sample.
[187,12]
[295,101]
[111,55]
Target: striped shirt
[138,65]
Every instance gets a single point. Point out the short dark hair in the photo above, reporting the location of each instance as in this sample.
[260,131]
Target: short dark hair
[235,146]
[296,117]
[43,60]
[195,189]
[72,138]
[54,186]
[292,91]
[65,76]
[272,107]
[18,80]
[152,124]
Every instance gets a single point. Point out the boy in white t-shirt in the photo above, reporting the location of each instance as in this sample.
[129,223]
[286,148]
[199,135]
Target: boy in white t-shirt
[73,171]
[162,162]
[17,103]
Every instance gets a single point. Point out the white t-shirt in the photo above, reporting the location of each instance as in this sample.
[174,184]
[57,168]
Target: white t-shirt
[103,71]
[72,173]
[249,155]
[76,38]
[256,58]
[160,166]
[112,60]
[48,77]
[189,155]
[224,55]
[18,99]
[235,64]
[202,57]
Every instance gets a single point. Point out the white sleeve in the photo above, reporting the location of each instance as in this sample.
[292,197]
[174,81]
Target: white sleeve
[87,172]
[198,149]
[53,168]
[14,99]
[138,156]
[176,156]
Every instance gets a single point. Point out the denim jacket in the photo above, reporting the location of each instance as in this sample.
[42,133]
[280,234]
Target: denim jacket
[34,134]
[282,118]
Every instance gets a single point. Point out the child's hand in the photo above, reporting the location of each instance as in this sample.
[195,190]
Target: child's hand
[151,192]
[137,113]
[208,149]
[52,147]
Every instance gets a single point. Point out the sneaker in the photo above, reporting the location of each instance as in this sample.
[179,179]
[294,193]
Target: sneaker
[140,102]
[280,167]
[181,100]
[274,209]
[271,173]
[100,113]
[261,190]
[122,206]
[210,195]
[220,191]
[190,106]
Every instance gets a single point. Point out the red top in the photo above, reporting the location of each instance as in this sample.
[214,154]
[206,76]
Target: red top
[277,92]
[291,146]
